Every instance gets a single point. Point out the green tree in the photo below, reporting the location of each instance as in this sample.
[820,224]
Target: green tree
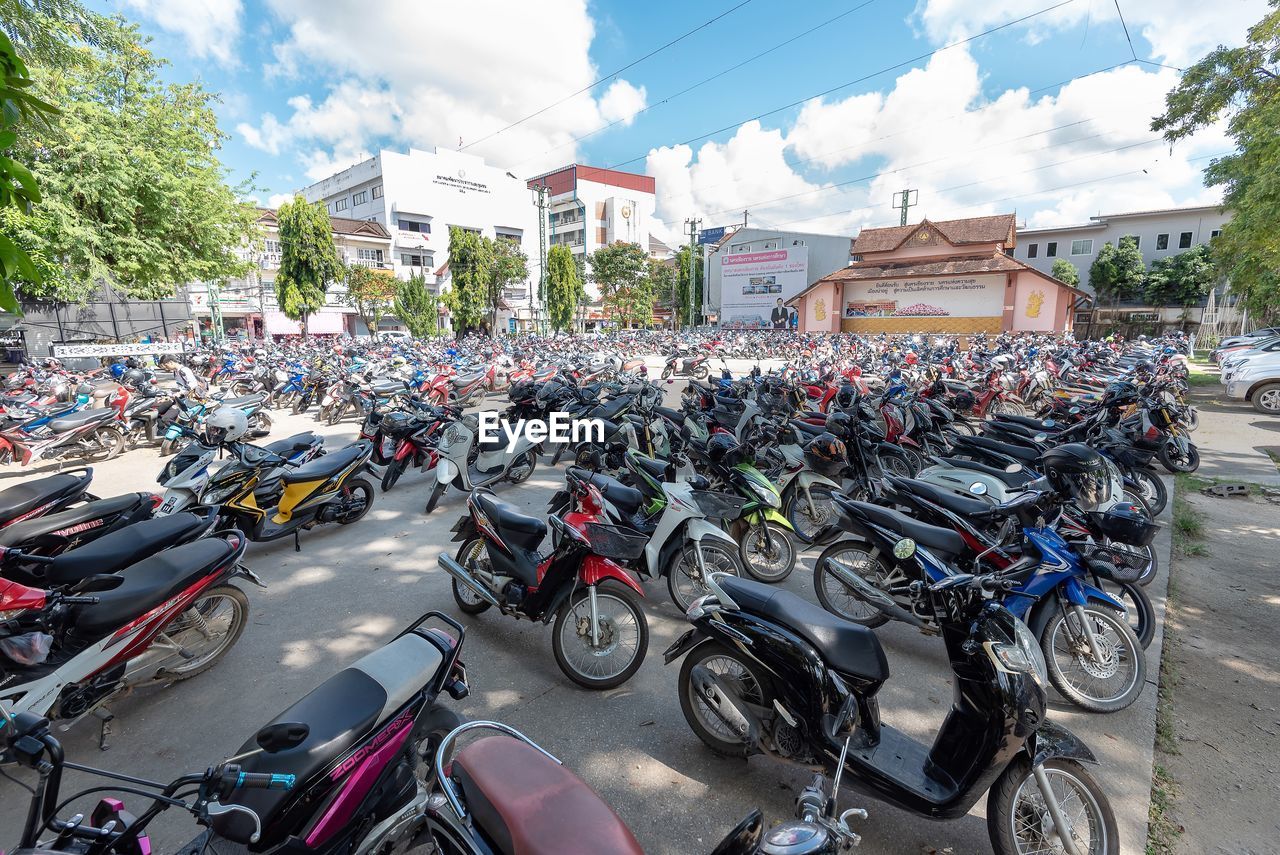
[564,287]
[1117,272]
[132,192]
[621,270]
[662,283]
[309,261]
[510,266]
[682,284]
[470,271]
[18,189]
[51,32]
[1181,280]
[370,292]
[417,307]
[1065,271]
[1241,85]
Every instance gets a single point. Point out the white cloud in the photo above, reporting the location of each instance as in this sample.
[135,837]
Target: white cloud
[1179,31]
[210,27]
[278,199]
[463,72]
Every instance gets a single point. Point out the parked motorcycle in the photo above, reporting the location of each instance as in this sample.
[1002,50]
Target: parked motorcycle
[46,495]
[495,460]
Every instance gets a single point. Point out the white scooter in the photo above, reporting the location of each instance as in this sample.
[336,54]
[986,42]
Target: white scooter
[500,459]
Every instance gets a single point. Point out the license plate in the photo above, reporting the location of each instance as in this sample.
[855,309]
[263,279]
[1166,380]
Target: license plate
[167,507]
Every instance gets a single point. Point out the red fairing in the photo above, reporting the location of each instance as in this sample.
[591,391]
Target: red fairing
[596,569]
[16,596]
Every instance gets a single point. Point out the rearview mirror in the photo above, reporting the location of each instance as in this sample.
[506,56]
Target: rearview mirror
[281,736]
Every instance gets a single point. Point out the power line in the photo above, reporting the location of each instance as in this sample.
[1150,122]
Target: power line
[608,76]
[669,98]
[864,78]
[1127,37]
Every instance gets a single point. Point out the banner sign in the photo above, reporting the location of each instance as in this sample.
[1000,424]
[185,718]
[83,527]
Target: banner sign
[711,235]
[63,351]
[978,296]
[754,286]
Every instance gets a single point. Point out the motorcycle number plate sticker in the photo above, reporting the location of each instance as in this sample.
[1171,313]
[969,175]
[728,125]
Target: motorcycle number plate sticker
[167,507]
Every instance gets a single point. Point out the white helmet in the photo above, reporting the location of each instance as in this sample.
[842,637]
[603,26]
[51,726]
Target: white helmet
[225,425]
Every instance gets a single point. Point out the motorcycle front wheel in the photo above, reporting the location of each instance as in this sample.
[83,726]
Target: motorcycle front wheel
[768,558]
[1018,818]
[684,581]
[615,653]
[394,470]
[1152,488]
[1175,462]
[1109,684]
[810,514]
[436,492]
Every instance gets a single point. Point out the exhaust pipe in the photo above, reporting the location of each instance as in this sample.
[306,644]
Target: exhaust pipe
[457,571]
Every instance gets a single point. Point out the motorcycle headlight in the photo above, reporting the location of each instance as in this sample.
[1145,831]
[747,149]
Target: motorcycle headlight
[765,494]
[218,493]
[1023,656]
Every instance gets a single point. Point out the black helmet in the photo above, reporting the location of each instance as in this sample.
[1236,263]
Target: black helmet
[134,377]
[1126,523]
[1119,394]
[839,424]
[724,450]
[131,363]
[847,396]
[1079,474]
[395,422]
[826,453]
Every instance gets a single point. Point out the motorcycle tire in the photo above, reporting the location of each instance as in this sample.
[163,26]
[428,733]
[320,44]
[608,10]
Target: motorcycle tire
[168,446]
[702,372]
[1056,629]
[263,422]
[1176,464]
[1006,810]
[1142,616]
[1153,490]
[322,414]
[467,601]
[527,473]
[394,470]
[239,618]
[892,464]
[300,404]
[364,486]
[829,588]
[336,414]
[109,441]
[750,683]
[675,575]
[436,492]
[566,623]
[784,546]
[801,516]
[666,373]
[1193,419]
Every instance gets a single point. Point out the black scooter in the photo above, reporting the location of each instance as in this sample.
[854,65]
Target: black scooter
[766,672]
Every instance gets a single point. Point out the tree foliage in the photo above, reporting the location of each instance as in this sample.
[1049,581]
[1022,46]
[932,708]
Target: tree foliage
[51,32]
[133,194]
[621,270]
[509,266]
[1181,280]
[1241,85]
[470,271]
[1065,271]
[371,293]
[1117,272]
[662,283]
[417,307]
[682,284]
[564,287]
[309,261]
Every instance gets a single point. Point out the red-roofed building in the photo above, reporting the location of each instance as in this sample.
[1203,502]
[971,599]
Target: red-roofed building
[948,276]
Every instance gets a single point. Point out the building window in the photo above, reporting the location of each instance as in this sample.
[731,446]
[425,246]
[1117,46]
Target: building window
[340,204]
[797,243]
[410,260]
[272,245]
[1184,240]
[377,192]
[1051,249]
[1213,234]
[771,244]
[1137,241]
[409,226]
[1082,247]
[1162,242]
[360,198]
[369,255]
[1033,250]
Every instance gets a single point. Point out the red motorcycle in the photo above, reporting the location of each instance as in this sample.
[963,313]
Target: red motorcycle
[416,442]
[44,496]
[600,634]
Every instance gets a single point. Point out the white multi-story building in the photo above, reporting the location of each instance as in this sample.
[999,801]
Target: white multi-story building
[417,196]
[1160,234]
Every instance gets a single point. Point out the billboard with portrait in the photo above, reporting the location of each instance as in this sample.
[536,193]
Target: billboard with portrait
[976,296]
[754,286]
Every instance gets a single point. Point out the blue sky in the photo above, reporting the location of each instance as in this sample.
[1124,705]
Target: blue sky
[309,87]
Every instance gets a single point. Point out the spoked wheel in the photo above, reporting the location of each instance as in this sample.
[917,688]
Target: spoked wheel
[1020,822]
[1176,461]
[892,464]
[357,499]
[836,596]
[108,443]
[608,654]
[741,678]
[471,555]
[684,578]
[1151,488]
[768,554]
[336,413]
[810,512]
[436,492]
[963,427]
[523,467]
[394,470]
[206,630]
[1108,682]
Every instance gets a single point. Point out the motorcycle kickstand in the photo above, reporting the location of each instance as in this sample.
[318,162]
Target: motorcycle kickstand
[297,543]
[106,717]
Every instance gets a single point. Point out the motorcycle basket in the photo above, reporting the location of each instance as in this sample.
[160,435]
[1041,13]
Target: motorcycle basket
[719,506]
[609,541]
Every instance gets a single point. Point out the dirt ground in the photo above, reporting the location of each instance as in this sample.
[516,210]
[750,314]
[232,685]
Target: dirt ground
[1221,745]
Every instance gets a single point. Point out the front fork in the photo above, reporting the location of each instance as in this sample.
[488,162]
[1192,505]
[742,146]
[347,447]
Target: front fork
[1086,629]
[1065,835]
[595,617]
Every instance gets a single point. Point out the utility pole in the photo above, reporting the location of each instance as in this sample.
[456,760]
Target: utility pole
[744,218]
[539,303]
[215,312]
[904,199]
[694,224]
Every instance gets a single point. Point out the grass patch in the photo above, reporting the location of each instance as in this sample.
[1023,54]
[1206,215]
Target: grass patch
[1202,373]
[1162,830]
[1188,523]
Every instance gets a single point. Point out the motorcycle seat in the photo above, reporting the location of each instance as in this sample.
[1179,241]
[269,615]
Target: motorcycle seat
[468,379]
[289,445]
[340,712]
[525,531]
[1021,453]
[327,465]
[245,401]
[62,424]
[1019,478]
[149,583]
[846,646]
[24,498]
[977,509]
[944,541]
[528,804]
[704,386]
[655,468]
[18,533]
[671,415]
[1028,421]
[609,410]
[120,549]
[808,428]
[387,387]
[626,499]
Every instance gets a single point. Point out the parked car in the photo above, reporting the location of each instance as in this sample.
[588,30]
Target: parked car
[1238,358]
[1246,341]
[1258,382]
